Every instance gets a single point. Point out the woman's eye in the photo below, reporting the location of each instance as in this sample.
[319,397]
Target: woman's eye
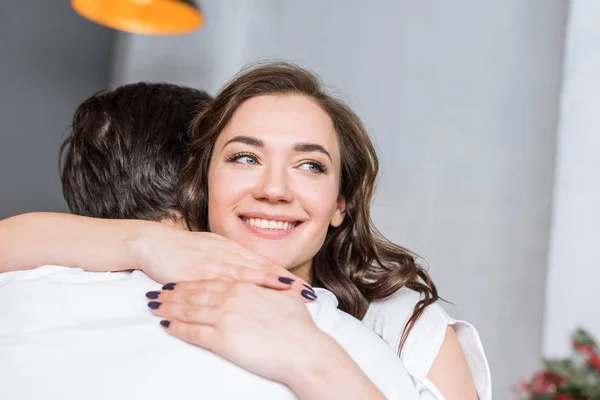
[314,167]
[246,159]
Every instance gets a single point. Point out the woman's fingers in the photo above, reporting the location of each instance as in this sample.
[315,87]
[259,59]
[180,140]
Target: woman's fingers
[266,275]
[263,278]
[193,292]
[192,297]
[244,273]
[219,285]
[255,261]
[205,336]
[190,292]
[191,314]
[274,278]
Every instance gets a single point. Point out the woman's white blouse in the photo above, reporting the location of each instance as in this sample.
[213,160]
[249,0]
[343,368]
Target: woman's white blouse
[388,317]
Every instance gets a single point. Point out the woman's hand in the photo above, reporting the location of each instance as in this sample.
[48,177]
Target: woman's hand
[169,254]
[262,330]
[269,333]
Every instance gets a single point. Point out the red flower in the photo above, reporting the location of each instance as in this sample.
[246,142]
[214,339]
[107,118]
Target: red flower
[562,397]
[594,361]
[586,349]
[550,385]
[543,382]
[550,377]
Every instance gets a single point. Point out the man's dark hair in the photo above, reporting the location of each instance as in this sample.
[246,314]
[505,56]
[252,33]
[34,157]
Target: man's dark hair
[125,150]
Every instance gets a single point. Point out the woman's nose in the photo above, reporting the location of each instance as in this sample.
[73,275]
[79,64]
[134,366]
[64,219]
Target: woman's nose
[273,186]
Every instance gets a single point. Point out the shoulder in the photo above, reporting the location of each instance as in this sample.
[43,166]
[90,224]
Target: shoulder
[52,277]
[330,319]
[388,318]
[369,352]
[450,373]
[30,274]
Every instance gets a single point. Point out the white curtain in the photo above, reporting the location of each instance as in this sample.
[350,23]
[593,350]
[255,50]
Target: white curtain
[572,291]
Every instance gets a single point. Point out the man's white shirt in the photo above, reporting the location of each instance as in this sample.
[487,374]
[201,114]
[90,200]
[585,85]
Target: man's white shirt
[70,334]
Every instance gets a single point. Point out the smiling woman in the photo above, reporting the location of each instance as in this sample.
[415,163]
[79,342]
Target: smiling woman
[284,160]
[286,172]
[268,185]
[280,149]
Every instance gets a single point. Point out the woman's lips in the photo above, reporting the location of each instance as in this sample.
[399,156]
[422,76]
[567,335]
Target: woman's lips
[270,229]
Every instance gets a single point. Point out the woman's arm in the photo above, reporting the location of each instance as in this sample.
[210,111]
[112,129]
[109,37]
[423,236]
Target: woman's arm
[165,253]
[450,371]
[333,375]
[30,240]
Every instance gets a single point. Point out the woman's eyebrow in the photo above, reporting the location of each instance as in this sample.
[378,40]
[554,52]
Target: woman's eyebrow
[249,140]
[308,147]
[299,147]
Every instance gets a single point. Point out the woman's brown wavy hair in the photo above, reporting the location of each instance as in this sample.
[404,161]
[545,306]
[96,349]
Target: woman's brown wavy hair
[356,262]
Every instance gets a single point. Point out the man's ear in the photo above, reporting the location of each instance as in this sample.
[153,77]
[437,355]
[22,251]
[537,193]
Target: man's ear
[339,212]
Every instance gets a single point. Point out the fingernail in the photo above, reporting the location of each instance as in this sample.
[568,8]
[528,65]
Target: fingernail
[165,323]
[169,286]
[152,295]
[309,287]
[286,280]
[154,305]
[307,294]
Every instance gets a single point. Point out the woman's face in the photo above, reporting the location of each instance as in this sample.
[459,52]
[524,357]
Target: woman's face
[274,180]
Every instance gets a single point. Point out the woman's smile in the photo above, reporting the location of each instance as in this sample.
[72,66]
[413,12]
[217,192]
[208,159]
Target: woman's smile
[270,228]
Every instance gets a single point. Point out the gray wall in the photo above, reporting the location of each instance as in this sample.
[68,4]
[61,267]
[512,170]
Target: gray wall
[50,60]
[462,100]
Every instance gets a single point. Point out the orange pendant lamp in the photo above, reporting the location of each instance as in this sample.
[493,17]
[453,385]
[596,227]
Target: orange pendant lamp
[152,17]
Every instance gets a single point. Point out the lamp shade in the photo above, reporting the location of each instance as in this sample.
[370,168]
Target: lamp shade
[154,17]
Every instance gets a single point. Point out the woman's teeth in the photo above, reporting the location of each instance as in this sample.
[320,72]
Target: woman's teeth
[266,224]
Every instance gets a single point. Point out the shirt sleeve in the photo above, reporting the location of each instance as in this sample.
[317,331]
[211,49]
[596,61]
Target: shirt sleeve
[425,341]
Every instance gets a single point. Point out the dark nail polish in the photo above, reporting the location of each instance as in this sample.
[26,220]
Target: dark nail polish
[309,287]
[307,294]
[165,323]
[154,305]
[286,280]
[169,286]
[152,295]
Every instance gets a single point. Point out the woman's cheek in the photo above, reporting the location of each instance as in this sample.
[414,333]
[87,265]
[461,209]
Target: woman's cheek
[320,201]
